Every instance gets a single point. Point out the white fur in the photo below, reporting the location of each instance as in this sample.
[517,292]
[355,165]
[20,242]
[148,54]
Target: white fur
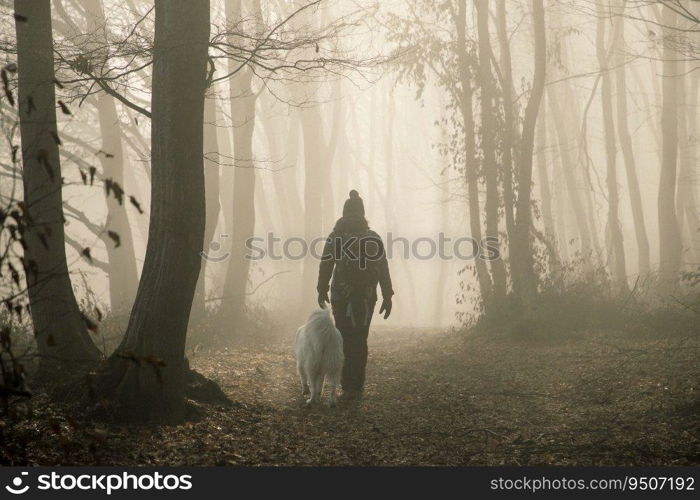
[319,350]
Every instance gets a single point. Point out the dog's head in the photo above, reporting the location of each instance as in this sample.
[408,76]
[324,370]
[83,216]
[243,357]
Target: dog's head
[319,314]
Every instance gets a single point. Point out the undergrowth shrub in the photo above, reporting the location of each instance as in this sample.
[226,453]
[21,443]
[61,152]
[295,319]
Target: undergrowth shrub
[572,302]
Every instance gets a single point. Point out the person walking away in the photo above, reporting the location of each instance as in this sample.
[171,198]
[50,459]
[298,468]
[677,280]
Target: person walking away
[354,261]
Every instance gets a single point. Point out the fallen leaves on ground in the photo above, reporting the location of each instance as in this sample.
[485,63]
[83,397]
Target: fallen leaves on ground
[432,398]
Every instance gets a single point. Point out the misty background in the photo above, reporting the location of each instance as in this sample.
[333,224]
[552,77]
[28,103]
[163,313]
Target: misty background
[374,111]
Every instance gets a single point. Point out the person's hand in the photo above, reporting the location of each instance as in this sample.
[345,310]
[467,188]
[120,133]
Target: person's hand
[386,308]
[323,299]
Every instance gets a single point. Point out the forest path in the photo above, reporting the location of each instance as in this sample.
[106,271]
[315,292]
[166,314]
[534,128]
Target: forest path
[432,398]
[437,397]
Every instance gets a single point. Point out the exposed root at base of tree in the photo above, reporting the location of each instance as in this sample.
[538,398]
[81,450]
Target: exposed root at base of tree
[112,389]
[204,390]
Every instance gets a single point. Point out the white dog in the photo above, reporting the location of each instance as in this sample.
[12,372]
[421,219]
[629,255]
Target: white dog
[319,350]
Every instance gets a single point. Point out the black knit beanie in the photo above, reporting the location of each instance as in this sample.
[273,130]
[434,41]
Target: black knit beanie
[354,206]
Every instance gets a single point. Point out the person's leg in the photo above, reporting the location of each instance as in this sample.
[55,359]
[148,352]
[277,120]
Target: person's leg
[344,325]
[353,360]
[354,344]
[361,334]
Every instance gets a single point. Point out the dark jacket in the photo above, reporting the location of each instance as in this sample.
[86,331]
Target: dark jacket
[354,256]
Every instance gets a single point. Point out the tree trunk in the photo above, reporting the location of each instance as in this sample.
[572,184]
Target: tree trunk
[288,206]
[123,275]
[442,278]
[524,279]
[560,196]
[213,207]
[567,166]
[686,176]
[146,374]
[232,311]
[625,139]
[389,208]
[336,124]
[509,131]
[312,130]
[586,186]
[545,191]
[488,146]
[616,248]
[470,162]
[282,134]
[224,138]
[669,234]
[61,335]
[686,204]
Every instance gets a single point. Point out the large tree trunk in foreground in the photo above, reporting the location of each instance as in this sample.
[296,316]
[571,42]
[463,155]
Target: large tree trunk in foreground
[147,373]
[669,233]
[616,249]
[524,278]
[61,335]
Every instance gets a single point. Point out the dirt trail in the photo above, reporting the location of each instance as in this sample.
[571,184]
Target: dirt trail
[435,397]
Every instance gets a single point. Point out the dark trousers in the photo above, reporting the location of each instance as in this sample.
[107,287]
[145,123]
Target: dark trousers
[354,341]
